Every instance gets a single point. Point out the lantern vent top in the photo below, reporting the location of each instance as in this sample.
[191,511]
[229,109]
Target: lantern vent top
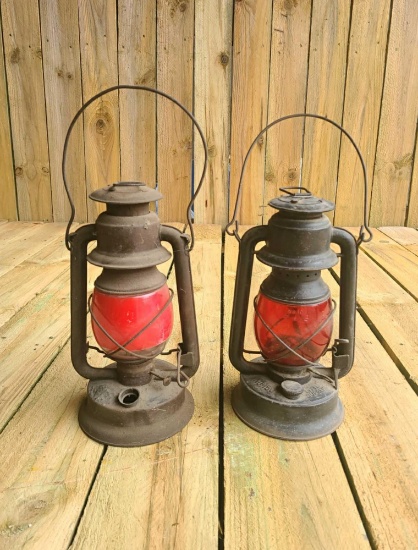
[299,199]
[126,192]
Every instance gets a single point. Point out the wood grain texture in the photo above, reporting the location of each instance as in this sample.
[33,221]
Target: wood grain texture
[23,53]
[412,218]
[250,88]
[22,283]
[63,98]
[212,101]
[137,26]
[406,236]
[397,129]
[378,441]
[363,96]
[19,241]
[8,203]
[280,494]
[395,259]
[98,46]
[287,95]
[166,495]
[175,31]
[392,313]
[30,341]
[47,463]
[325,96]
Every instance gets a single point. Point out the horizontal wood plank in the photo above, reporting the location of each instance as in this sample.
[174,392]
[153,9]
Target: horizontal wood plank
[25,281]
[390,310]
[165,495]
[280,494]
[378,441]
[406,236]
[396,260]
[47,465]
[20,241]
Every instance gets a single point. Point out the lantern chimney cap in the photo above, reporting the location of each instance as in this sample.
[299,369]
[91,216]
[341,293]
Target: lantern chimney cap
[302,201]
[126,192]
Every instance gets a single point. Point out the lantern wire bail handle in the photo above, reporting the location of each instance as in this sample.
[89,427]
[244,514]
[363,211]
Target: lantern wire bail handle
[233,226]
[145,89]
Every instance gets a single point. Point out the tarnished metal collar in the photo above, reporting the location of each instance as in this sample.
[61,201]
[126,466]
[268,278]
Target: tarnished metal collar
[126,192]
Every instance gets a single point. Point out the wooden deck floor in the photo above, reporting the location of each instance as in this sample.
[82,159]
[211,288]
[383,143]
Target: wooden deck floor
[207,486]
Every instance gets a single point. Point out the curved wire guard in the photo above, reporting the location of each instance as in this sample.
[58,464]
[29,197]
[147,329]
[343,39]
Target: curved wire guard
[283,343]
[136,335]
[145,89]
[234,221]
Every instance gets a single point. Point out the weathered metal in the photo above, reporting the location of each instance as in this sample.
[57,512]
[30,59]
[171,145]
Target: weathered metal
[135,401]
[293,402]
[138,399]
[286,393]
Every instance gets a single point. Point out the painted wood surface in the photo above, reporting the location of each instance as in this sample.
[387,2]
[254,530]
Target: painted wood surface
[237,65]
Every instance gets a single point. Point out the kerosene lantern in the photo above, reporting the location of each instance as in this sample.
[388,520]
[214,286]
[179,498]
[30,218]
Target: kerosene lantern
[138,399]
[285,392]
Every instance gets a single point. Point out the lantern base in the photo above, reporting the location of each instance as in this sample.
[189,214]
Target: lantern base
[134,416]
[259,403]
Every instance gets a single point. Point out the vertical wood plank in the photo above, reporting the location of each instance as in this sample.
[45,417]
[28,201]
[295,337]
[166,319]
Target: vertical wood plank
[137,65]
[365,72]
[175,31]
[22,45]
[62,72]
[412,220]
[252,35]
[288,81]
[8,204]
[212,77]
[98,45]
[327,66]
[397,128]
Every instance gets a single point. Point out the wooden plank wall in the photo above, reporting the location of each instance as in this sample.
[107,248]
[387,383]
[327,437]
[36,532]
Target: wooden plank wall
[237,65]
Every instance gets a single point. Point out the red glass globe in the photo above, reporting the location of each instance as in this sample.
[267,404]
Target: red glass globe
[294,324]
[122,317]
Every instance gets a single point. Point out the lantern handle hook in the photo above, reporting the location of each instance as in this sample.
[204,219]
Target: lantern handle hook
[233,225]
[145,89]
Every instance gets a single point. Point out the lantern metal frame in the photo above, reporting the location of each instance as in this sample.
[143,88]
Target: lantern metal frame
[140,399]
[294,402]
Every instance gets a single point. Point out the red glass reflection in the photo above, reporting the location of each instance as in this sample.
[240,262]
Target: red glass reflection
[294,324]
[124,316]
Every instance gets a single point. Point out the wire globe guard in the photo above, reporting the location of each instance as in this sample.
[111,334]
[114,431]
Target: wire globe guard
[139,400]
